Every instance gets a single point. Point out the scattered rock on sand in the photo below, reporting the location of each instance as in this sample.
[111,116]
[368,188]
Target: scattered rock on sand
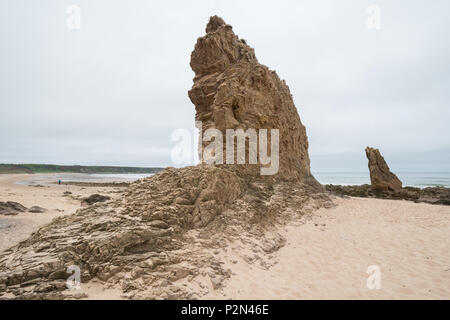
[11,208]
[37,209]
[94,198]
[381,177]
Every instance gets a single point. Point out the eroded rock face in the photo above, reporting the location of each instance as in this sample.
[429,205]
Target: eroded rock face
[381,177]
[37,209]
[232,90]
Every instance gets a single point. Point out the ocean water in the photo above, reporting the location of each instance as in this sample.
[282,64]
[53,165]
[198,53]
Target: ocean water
[120,176]
[412,179]
[83,177]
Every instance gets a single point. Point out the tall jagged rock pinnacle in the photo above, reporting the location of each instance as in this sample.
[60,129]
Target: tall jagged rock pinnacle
[381,176]
[232,90]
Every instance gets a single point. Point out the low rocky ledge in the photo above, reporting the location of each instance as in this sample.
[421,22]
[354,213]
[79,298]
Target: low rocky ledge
[432,195]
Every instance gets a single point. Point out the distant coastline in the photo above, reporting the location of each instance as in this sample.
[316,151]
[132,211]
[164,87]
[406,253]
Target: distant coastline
[412,179]
[51,168]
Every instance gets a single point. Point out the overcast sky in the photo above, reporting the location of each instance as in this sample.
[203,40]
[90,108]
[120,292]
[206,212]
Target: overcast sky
[112,92]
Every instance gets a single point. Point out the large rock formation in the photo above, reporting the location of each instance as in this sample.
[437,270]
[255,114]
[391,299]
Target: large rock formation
[233,91]
[381,177]
[161,238]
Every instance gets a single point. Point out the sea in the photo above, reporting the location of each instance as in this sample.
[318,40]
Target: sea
[413,179]
[82,177]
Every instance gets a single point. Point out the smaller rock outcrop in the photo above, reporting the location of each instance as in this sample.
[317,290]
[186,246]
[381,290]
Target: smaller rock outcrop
[431,195]
[381,177]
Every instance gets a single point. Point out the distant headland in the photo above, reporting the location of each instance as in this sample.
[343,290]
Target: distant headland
[52,168]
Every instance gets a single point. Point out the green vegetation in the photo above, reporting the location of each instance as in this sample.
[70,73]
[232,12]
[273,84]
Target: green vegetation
[51,168]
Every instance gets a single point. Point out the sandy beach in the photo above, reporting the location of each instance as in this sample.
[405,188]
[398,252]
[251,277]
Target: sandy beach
[326,254]
[16,228]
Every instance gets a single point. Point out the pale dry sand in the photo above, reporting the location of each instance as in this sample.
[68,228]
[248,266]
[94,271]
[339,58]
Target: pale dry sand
[14,229]
[327,256]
